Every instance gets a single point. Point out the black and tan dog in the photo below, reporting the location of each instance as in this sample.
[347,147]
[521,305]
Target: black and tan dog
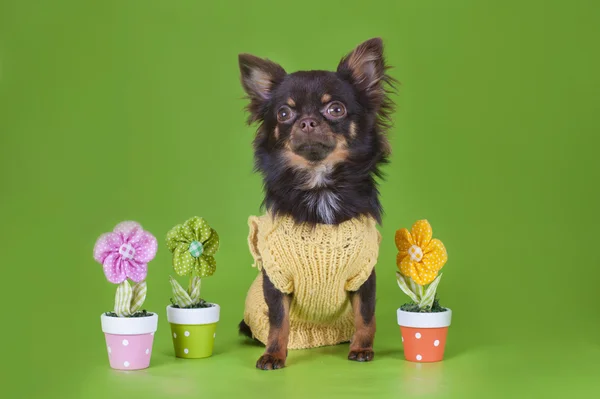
[320,142]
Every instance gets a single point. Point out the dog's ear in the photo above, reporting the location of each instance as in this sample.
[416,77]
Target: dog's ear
[364,67]
[366,70]
[259,77]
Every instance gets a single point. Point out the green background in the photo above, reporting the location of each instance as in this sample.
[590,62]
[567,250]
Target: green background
[120,110]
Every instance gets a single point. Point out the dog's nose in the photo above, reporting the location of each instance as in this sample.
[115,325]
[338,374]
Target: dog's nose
[307,125]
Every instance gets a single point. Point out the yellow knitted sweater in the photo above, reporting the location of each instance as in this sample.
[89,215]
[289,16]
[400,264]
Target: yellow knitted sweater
[318,265]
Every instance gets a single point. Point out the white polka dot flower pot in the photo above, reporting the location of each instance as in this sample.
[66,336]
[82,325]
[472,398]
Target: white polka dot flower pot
[424,334]
[129,340]
[193,330]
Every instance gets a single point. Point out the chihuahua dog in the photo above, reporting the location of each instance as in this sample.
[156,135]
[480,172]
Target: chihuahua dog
[320,142]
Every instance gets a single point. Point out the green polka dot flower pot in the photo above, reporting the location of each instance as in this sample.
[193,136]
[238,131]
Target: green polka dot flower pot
[193,331]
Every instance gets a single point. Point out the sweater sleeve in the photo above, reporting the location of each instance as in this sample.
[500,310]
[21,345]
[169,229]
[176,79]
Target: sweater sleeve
[266,257]
[365,261]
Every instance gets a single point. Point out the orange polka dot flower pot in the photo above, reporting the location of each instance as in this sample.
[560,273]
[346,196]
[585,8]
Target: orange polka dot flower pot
[423,322]
[193,320]
[424,334]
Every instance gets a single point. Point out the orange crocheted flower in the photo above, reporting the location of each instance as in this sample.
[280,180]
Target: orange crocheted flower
[420,257]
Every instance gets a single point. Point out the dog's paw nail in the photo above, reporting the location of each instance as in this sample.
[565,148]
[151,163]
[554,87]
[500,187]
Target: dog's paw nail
[365,355]
[270,362]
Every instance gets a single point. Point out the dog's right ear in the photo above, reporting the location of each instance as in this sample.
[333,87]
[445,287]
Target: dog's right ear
[259,77]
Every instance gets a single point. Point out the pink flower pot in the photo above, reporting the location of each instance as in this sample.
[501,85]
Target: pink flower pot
[129,340]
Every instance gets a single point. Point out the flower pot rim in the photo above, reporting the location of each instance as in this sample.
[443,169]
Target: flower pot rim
[129,325]
[424,320]
[194,316]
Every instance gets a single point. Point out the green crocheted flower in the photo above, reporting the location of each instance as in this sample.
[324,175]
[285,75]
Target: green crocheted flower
[193,244]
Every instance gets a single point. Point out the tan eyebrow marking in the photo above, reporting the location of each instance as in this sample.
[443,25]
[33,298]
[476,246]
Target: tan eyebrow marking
[291,102]
[326,98]
[353,130]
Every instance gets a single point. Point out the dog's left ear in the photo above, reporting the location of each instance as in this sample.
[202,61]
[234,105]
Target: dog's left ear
[365,69]
[259,77]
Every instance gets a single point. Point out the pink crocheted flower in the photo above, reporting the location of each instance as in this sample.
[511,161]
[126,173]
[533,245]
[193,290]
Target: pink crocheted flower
[125,252]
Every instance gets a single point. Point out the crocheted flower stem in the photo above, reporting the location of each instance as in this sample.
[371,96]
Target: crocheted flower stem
[128,300]
[422,297]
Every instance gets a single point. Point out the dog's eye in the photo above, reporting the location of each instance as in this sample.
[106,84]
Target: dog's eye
[336,110]
[284,114]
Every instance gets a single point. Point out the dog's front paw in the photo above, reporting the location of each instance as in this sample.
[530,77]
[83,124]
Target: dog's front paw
[361,355]
[270,362]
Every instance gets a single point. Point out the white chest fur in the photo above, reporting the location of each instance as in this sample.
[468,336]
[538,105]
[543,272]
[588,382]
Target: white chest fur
[324,203]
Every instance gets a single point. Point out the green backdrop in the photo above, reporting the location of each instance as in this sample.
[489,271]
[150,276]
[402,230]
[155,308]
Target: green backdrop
[121,110]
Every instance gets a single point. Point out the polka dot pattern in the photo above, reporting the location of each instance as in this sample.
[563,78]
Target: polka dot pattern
[407,267]
[419,256]
[129,352]
[125,252]
[193,341]
[193,244]
[421,232]
[404,240]
[423,344]
[435,255]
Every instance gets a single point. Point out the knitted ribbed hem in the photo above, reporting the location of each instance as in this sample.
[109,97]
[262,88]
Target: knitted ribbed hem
[304,336]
